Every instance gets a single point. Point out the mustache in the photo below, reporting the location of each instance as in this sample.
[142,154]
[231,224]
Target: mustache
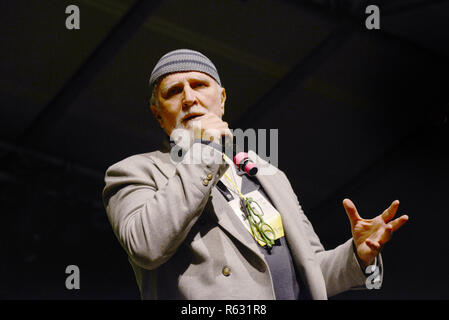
[193,110]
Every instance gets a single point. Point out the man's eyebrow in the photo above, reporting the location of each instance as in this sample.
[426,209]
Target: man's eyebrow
[175,83]
[170,85]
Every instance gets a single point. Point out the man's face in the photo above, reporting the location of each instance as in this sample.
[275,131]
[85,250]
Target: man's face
[183,96]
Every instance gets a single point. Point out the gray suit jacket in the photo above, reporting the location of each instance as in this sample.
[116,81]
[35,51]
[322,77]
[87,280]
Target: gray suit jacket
[184,242]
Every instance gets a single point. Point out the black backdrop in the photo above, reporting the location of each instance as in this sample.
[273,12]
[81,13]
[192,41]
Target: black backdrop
[361,114]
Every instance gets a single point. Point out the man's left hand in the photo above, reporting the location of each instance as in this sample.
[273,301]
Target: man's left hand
[370,235]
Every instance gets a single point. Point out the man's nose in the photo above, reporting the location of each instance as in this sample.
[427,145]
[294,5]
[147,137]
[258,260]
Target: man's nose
[189,97]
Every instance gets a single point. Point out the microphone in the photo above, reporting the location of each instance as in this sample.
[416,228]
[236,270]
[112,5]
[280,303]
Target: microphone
[241,159]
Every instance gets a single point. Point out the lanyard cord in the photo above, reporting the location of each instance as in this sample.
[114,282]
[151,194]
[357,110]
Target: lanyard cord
[236,189]
[259,228]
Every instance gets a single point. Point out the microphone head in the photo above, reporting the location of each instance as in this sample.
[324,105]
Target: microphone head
[243,162]
[239,158]
[251,168]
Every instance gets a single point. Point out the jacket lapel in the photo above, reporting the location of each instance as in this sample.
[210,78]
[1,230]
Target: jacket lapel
[227,219]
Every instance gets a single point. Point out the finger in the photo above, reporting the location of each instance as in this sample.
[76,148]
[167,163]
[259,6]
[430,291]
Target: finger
[214,123]
[399,222]
[228,135]
[373,245]
[386,235]
[390,212]
[197,131]
[210,115]
[219,129]
[212,134]
[351,211]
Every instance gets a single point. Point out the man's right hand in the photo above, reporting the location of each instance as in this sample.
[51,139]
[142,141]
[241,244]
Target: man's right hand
[210,127]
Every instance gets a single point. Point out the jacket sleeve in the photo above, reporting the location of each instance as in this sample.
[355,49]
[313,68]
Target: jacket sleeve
[339,266]
[151,219]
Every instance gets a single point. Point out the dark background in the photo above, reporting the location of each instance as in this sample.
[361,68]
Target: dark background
[361,114]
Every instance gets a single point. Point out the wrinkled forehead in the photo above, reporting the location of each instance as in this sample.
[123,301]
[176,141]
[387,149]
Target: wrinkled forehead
[178,77]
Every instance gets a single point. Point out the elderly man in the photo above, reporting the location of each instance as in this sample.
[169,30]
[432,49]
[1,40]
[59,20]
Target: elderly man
[192,229]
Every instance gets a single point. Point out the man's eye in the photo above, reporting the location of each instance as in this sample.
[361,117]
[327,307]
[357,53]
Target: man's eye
[172,91]
[198,85]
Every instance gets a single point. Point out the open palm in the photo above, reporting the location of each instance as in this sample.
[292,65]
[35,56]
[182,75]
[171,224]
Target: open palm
[370,235]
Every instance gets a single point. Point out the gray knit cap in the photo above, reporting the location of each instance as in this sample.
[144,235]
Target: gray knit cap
[183,60]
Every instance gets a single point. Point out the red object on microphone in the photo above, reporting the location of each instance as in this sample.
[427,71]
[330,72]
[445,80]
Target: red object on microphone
[242,161]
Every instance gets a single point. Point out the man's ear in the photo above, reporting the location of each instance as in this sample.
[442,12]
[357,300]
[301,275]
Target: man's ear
[223,100]
[156,114]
